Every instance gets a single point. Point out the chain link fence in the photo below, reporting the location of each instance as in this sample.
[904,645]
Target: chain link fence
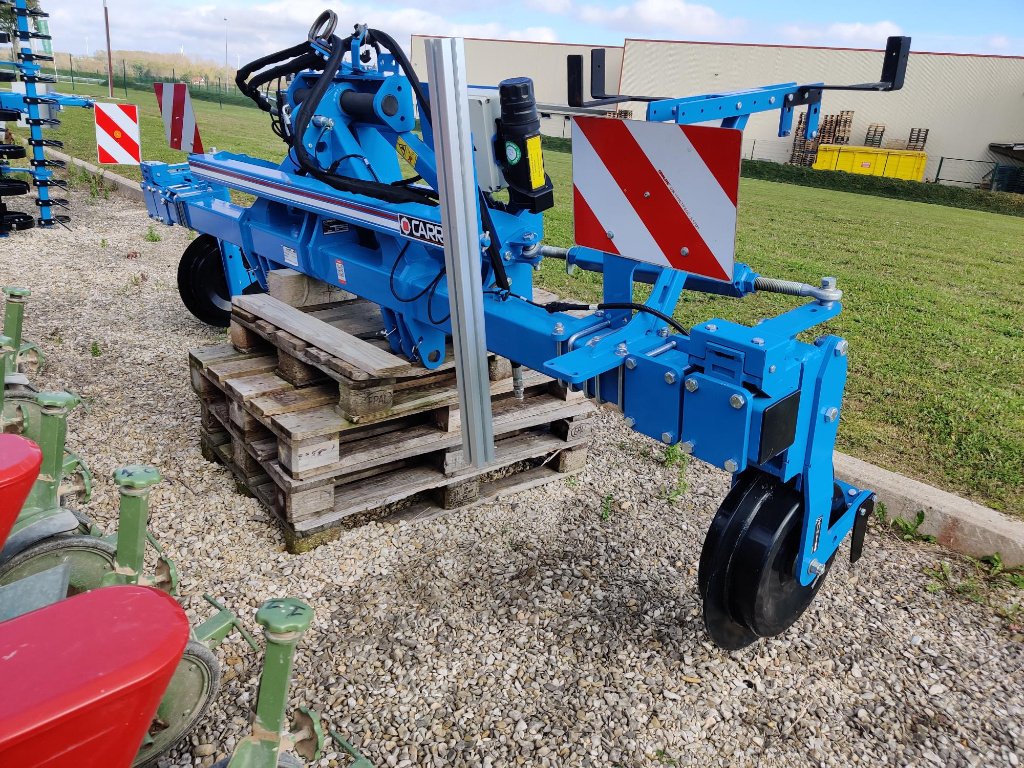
[206,82]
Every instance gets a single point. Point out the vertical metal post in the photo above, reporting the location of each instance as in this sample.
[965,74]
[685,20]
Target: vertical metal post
[135,483]
[938,171]
[71,65]
[456,181]
[124,78]
[110,56]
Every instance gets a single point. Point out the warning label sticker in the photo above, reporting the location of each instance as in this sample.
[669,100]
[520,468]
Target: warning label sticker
[290,256]
[339,267]
[406,152]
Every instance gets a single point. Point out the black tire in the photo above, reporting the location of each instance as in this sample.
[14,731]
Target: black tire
[746,574]
[188,697]
[10,187]
[91,559]
[202,284]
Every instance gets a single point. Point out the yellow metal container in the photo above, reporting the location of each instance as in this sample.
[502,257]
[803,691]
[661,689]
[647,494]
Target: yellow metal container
[895,163]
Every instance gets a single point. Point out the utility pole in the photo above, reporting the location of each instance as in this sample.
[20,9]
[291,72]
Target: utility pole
[110,56]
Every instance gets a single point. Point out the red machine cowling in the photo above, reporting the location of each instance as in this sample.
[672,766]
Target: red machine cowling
[19,466]
[82,678]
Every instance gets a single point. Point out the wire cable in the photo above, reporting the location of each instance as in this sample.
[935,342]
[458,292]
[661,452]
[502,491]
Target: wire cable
[565,306]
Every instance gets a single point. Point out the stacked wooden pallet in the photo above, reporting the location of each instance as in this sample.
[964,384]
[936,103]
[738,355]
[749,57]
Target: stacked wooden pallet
[317,419]
[832,129]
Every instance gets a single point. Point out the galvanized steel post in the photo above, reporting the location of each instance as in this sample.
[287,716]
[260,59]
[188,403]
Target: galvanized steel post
[456,181]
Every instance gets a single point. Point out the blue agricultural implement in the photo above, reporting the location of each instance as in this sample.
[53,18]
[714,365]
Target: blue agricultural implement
[378,196]
[36,106]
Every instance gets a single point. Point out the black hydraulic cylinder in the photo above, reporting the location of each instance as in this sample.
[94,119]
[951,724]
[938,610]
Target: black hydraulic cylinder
[519,150]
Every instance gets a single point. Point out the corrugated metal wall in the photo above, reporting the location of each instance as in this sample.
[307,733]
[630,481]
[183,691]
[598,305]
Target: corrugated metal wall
[966,102]
[491,61]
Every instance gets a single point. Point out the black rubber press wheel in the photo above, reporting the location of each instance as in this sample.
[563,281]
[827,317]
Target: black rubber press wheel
[90,559]
[192,689]
[747,566]
[202,283]
[10,187]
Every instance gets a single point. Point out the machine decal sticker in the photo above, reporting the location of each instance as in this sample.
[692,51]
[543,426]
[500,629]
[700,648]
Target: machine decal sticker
[421,229]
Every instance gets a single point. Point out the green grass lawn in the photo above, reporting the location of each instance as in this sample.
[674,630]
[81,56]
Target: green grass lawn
[936,386]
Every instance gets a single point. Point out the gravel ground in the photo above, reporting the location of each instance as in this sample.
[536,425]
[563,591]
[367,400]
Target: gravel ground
[532,631]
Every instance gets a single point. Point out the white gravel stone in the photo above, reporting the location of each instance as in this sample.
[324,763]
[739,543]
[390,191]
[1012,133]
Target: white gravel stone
[525,632]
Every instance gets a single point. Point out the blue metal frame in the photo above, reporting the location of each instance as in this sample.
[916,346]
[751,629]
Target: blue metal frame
[709,390]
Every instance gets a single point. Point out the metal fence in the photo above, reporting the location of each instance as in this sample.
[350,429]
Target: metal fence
[971,173]
[207,84]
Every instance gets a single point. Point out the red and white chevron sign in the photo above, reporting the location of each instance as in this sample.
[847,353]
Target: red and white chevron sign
[179,119]
[117,134]
[657,192]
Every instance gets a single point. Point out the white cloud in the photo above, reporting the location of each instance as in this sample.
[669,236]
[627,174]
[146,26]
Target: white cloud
[999,42]
[672,17]
[253,29]
[855,34]
[559,7]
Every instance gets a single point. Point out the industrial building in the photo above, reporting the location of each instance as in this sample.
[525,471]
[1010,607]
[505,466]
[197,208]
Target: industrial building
[966,111]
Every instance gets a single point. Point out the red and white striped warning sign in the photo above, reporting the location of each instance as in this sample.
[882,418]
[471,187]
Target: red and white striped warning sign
[657,192]
[179,119]
[117,134]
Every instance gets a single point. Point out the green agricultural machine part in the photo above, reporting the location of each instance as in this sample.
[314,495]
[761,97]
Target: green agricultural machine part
[42,418]
[284,622]
[29,357]
[94,561]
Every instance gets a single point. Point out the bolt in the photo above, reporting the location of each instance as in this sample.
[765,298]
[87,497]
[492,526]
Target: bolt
[771,99]
[647,194]
[739,105]
[663,331]
[621,349]
[558,330]
[670,377]
[772,368]
[530,236]
[815,568]
[757,341]
[831,414]
[684,251]
[610,234]
[630,422]
[687,447]
[789,97]
[631,363]
[691,385]
[852,492]
[841,348]
[730,465]
[711,327]
[828,283]
[737,401]
[506,256]
[814,135]
[666,437]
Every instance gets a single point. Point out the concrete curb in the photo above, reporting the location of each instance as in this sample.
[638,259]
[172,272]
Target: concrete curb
[958,524]
[127,187]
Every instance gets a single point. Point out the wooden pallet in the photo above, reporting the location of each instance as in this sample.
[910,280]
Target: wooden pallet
[329,434]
